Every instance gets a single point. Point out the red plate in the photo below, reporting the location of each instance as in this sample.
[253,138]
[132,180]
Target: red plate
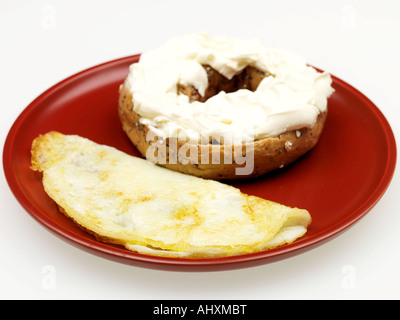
[339,181]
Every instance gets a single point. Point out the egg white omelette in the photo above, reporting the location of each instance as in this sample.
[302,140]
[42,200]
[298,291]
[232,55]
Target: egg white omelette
[132,202]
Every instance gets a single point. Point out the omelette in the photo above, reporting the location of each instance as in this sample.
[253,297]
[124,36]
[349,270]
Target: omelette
[130,201]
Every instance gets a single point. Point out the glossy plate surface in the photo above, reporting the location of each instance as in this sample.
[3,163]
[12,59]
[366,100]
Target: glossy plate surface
[338,182]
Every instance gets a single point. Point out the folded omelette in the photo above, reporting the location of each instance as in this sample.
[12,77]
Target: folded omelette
[131,202]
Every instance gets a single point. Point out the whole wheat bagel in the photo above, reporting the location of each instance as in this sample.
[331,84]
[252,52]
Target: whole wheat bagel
[210,160]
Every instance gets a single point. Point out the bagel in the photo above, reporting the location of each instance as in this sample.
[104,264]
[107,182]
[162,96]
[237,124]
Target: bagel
[214,157]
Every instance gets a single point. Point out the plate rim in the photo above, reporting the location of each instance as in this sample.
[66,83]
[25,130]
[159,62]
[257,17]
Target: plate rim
[125,256]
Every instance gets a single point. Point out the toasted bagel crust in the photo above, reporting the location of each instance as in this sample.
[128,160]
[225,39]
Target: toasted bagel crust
[269,154]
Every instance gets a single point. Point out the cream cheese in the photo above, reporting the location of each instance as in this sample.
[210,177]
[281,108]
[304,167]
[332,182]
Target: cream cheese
[290,99]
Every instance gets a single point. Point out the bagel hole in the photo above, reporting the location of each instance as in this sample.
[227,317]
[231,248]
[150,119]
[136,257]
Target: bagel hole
[249,78]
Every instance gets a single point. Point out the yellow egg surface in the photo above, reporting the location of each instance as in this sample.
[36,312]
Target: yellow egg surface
[130,201]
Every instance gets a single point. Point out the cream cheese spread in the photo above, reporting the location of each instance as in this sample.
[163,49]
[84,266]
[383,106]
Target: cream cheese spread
[291,98]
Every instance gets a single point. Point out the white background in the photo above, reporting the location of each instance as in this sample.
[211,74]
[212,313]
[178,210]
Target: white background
[44,41]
